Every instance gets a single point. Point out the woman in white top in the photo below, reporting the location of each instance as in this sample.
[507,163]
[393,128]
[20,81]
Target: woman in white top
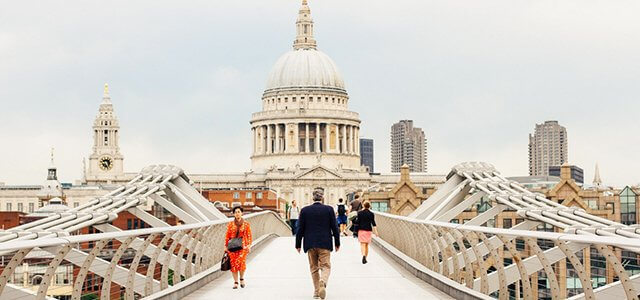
[292,215]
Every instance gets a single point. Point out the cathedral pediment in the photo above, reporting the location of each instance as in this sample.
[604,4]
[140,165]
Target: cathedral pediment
[318,172]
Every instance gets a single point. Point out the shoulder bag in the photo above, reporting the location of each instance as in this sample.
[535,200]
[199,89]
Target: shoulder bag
[235,244]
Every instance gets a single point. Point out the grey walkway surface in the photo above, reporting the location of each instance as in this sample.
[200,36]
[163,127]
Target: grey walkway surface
[277,271]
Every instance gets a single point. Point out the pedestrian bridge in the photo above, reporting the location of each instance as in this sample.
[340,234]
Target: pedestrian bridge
[277,271]
[424,255]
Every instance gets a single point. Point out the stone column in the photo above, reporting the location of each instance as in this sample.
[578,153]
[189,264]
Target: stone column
[306,138]
[269,139]
[327,128]
[317,143]
[277,131]
[344,138]
[264,138]
[296,143]
[253,135]
[347,129]
[353,140]
[358,140]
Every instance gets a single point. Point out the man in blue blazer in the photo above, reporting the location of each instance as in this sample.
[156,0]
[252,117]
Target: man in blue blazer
[317,225]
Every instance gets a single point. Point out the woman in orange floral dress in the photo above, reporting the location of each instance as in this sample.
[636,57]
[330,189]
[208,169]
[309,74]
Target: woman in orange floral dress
[239,258]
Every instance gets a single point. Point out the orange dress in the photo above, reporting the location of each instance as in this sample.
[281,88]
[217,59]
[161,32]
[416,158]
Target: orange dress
[239,258]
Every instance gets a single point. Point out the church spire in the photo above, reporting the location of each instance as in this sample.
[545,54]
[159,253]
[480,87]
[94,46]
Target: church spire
[304,29]
[106,98]
[52,173]
[597,181]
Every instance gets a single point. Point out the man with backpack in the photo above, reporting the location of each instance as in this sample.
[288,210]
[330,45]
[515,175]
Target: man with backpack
[341,213]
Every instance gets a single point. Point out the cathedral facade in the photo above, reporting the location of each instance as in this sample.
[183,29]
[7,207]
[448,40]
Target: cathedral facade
[305,136]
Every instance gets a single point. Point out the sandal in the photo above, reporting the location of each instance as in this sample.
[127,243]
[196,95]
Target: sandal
[235,285]
[242,282]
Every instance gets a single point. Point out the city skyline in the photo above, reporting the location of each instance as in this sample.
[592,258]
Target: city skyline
[51,96]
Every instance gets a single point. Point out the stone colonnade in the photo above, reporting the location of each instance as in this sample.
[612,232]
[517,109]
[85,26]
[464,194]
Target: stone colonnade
[314,137]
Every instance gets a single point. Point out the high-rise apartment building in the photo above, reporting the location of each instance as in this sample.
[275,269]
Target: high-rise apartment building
[366,153]
[547,147]
[408,146]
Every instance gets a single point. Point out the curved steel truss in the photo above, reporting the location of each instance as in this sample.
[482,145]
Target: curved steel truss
[130,263]
[504,262]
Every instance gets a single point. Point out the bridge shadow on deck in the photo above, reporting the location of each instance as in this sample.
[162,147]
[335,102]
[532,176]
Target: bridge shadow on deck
[277,271]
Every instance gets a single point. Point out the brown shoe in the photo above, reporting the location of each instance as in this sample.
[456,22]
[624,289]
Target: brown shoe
[322,290]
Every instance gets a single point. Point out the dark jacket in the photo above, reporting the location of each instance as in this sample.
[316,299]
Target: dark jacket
[366,220]
[317,224]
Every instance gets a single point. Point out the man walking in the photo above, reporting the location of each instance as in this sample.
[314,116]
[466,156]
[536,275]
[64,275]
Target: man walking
[356,206]
[317,225]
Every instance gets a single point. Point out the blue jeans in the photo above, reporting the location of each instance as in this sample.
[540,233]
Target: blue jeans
[294,226]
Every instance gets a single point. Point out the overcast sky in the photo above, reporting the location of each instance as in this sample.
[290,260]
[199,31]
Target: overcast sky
[185,77]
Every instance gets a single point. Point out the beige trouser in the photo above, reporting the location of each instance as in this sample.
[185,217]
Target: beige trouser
[320,266]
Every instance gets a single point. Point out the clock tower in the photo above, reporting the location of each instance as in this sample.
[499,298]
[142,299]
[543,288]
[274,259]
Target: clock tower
[105,162]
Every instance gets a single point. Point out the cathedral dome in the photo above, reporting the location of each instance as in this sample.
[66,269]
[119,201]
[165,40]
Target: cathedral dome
[305,68]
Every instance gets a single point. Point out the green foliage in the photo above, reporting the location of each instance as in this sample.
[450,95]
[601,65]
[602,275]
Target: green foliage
[89,297]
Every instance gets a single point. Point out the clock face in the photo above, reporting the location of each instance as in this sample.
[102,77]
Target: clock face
[105,163]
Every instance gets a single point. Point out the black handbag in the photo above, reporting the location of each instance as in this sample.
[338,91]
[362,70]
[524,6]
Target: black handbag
[225,264]
[235,244]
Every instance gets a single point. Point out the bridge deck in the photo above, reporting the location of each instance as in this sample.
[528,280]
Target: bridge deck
[277,271]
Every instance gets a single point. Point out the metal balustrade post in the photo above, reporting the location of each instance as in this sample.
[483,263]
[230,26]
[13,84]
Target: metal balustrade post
[82,274]
[629,289]
[129,295]
[175,240]
[51,269]
[468,269]
[188,239]
[106,282]
[547,267]
[580,270]
[517,259]
[472,237]
[148,287]
[503,294]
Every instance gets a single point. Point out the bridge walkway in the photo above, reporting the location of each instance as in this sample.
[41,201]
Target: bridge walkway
[277,271]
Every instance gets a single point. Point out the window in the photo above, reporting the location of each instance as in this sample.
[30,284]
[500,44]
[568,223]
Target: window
[506,223]
[311,145]
[630,262]
[31,207]
[259,195]
[129,224]
[236,195]
[76,204]
[301,149]
[483,205]
[627,206]
[381,206]
[249,195]
[20,207]
[9,208]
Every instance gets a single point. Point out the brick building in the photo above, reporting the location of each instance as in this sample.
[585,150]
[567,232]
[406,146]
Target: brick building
[251,199]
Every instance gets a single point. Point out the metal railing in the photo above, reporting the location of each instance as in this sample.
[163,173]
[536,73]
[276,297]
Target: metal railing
[555,252]
[475,255]
[140,262]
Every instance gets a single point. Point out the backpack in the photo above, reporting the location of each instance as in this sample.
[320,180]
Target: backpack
[341,210]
